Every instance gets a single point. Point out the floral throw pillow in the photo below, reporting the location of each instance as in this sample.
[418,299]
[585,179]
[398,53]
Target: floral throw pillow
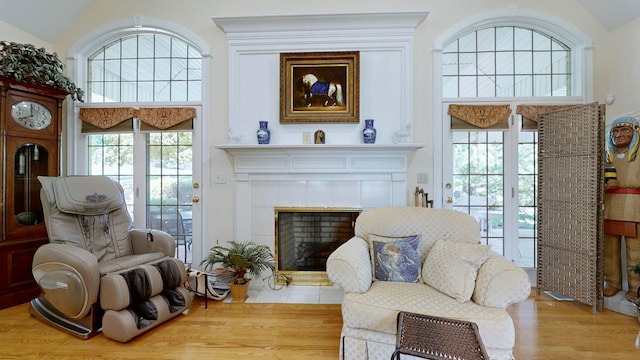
[397,260]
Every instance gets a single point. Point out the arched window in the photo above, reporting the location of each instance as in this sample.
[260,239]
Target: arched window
[506,61]
[495,60]
[150,67]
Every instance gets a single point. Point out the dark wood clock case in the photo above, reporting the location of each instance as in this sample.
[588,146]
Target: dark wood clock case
[26,154]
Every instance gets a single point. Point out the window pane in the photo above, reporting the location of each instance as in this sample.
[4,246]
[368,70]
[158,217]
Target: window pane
[504,86]
[130,48]
[453,47]
[195,90]
[112,51]
[112,91]
[179,69]
[112,69]
[129,91]
[486,86]
[145,91]
[541,42]
[178,49]
[523,85]
[542,62]
[449,64]
[542,85]
[504,39]
[179,91]
[162,69]
[486,63]
[145,69]
[560,61]
[486,39]
[96,71]
[468,64]
[561,85]
[163,46]
[468,86]
[195,69]
[504,63]
[450,86]
[163,91]
[524,62]
[145,46]
[522,39]
[129,69]
[467,43]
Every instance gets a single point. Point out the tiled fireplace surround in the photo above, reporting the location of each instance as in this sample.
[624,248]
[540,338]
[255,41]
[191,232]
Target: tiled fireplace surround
[343,172]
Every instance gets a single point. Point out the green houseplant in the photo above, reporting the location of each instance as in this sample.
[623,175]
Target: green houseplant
[241,257]
[28,64]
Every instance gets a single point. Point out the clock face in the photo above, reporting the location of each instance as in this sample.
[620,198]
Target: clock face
[31,115]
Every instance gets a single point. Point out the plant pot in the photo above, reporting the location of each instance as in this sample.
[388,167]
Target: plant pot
[239,291]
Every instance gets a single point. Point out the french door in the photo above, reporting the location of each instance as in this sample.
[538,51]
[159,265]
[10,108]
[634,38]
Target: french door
[492,175]
[160,181]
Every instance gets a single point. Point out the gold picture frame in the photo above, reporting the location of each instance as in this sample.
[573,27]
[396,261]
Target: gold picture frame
[320,87]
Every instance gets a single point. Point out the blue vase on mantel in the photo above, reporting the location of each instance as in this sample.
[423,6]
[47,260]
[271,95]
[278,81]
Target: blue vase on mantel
[263,133]
[369,132]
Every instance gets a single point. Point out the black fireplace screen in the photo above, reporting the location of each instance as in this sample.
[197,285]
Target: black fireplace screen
[305,237]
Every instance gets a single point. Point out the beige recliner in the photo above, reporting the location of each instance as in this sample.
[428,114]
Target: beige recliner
[97,273]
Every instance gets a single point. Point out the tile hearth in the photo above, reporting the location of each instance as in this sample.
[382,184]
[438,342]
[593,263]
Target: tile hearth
[295,294]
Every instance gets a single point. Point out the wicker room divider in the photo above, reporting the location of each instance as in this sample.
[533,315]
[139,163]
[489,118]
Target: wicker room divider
[570,203]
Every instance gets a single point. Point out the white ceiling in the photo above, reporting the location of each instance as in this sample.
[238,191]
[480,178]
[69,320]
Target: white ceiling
[49,19]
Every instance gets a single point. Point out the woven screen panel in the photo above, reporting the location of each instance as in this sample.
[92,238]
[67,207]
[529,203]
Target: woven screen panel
[570,222]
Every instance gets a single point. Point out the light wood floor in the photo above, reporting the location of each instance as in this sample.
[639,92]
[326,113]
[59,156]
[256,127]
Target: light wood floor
[545,329]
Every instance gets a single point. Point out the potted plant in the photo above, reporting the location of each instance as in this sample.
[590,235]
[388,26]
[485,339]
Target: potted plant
[240,257]
[28,64]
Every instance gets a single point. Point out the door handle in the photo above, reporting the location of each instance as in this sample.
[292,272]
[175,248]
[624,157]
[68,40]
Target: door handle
[448,199]
[195,198]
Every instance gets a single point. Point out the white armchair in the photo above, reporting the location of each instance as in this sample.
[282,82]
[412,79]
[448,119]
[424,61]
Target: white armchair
[459,279]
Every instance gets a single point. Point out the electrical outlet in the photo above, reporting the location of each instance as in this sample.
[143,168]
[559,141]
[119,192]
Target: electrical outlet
[220,177]
[423,178]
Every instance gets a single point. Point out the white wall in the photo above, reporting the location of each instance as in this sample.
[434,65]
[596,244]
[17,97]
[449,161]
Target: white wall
[624,60]
[196,15]
[13,34]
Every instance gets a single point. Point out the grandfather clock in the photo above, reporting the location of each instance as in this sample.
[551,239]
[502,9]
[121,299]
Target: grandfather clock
[30,121]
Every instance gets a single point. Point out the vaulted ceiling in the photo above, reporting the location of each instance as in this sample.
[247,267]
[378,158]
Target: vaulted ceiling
[35,16]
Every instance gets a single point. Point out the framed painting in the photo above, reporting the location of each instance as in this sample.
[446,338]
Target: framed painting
[320,87]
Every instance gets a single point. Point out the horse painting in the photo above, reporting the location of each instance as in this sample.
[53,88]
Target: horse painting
[332,91]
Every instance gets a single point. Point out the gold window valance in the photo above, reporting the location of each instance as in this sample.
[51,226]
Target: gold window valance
[531,113]
[166,118]
[474,117]
[121,119]
[107,119]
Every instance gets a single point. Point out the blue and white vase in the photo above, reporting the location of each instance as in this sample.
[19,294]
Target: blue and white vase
[263,133]
[369,132]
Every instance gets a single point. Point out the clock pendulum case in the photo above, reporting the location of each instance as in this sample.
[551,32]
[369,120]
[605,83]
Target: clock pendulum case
[30,124]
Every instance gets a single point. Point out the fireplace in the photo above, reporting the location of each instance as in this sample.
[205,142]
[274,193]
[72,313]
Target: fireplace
[304,239]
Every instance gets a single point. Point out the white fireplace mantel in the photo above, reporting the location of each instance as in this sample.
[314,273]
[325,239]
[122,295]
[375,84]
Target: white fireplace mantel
[296,159]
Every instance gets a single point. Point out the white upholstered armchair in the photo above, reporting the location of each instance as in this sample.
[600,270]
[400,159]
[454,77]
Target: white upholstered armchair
[454,277]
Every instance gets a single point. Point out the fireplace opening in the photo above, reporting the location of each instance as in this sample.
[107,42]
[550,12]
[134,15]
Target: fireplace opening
[304,239]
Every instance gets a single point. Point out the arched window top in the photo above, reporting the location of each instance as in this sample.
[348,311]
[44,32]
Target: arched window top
[506,61]
[145,67]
